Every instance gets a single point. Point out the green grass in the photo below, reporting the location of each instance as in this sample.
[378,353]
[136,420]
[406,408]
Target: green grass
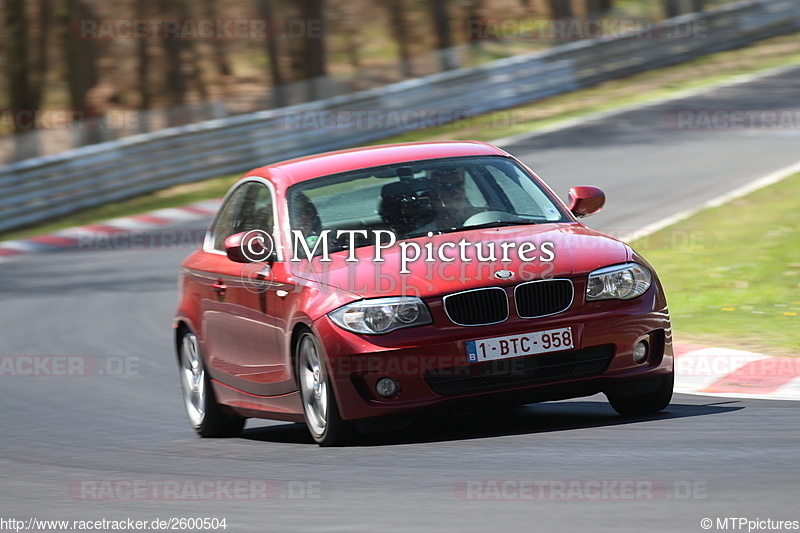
[643,87]
[732,273]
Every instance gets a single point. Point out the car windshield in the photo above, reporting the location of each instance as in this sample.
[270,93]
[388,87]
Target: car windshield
[420,198]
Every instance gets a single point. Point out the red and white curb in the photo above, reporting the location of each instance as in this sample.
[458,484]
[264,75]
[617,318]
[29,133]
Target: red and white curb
[735,373]
[75,237]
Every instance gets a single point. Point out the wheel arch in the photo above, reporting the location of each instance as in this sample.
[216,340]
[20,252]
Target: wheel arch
[181,326]
[299,328]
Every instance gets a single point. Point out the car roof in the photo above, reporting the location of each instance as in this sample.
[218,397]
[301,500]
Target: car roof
[304,168]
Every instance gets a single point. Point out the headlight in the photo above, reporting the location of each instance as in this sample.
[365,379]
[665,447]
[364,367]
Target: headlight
[381,315]
[620,282]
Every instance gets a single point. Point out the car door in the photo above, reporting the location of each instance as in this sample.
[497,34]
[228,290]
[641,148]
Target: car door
[242,327]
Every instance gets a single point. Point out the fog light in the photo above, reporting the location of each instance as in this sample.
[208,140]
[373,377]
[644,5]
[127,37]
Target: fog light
[640,352]
[386,387]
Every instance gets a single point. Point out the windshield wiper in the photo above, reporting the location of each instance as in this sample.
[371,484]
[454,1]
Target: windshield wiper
[495,224]
[485,225]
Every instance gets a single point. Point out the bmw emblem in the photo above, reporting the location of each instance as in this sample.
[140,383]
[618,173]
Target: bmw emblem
[504,274]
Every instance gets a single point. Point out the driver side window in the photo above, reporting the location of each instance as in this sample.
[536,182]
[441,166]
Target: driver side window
[248,208]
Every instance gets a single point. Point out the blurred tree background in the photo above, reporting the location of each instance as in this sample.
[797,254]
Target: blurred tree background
[311,49]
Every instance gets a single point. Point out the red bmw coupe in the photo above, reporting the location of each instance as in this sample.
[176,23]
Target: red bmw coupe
[396,279]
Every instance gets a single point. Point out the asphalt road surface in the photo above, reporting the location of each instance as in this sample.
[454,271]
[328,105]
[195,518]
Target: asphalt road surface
[115,443]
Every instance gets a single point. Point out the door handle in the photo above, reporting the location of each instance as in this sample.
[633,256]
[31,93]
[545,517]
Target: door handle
[219,287]
[281,293]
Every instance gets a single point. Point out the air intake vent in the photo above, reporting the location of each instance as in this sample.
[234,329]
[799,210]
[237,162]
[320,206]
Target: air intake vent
[542,298]
[477,307]
[521,371]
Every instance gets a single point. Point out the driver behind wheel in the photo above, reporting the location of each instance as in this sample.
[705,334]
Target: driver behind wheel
[449,198]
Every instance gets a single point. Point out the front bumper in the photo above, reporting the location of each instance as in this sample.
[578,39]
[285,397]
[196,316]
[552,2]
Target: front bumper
[430,362]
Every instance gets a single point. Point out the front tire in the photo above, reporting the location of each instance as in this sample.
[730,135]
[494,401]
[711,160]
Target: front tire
[643,404]
[204,412]
[319,403]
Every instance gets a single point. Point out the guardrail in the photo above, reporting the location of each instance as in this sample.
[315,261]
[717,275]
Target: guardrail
[38,189]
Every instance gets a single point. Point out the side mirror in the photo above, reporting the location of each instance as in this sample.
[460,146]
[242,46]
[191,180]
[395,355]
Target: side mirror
[586,200]
[250,247]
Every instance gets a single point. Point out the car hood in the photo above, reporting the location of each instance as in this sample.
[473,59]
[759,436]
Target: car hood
[561,250]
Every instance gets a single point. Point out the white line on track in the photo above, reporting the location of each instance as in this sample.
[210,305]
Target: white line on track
[739,192]
[738,396]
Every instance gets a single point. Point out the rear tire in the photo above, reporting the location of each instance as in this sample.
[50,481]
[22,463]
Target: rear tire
[645,403]
[204,412]
[319,402]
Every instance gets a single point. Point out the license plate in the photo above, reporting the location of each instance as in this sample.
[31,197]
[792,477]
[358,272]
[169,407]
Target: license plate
[552,340]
